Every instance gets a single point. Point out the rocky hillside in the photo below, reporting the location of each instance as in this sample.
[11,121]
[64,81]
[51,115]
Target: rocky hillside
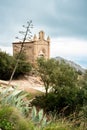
[72,64]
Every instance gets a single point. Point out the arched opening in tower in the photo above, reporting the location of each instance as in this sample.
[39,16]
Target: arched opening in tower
[41,53]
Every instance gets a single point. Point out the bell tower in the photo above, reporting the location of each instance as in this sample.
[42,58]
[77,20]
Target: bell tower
[41,35]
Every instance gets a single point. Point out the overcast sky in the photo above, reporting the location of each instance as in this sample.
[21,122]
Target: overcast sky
[65,21]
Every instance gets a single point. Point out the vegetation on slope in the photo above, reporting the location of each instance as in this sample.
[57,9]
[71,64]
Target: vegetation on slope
[7,64]
[64,102]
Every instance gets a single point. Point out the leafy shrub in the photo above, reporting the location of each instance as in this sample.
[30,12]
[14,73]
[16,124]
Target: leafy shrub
[67,101]
[67,93]
[11,119]
[7,125]
[22,69]
[18,99]
[7,64]
[56,74]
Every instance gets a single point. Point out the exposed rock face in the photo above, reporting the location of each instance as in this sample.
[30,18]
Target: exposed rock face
[71,63]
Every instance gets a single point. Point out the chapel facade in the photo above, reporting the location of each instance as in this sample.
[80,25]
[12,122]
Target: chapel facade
[37,47]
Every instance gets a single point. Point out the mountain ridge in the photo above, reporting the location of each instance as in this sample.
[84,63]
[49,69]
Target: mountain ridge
[71,63]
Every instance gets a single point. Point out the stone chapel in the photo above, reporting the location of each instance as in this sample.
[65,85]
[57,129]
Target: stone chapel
[37,47]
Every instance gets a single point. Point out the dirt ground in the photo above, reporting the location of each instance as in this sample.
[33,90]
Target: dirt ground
[27,83]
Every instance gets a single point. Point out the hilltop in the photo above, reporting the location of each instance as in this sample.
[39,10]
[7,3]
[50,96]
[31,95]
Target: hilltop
[71,63]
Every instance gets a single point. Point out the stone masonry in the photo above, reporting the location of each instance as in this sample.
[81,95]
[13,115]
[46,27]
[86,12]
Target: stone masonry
[38,47]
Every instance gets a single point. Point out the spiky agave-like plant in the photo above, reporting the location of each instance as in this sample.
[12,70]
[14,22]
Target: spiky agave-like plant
[16,98]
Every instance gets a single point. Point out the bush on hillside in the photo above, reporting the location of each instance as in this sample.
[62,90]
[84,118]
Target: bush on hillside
[11,119]
[64,103]
[66,95]
[56,75]
[7,64]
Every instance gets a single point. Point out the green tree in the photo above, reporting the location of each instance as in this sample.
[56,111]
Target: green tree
[68,89]
[63,76]
[56,75]
[7,64]
[23,67]
[46,69]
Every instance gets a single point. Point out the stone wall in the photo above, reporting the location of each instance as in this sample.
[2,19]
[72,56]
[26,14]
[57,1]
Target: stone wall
[38,47]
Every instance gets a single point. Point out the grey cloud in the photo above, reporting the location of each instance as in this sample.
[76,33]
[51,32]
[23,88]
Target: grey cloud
[58,17]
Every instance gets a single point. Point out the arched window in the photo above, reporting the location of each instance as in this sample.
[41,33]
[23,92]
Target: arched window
[41,54]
